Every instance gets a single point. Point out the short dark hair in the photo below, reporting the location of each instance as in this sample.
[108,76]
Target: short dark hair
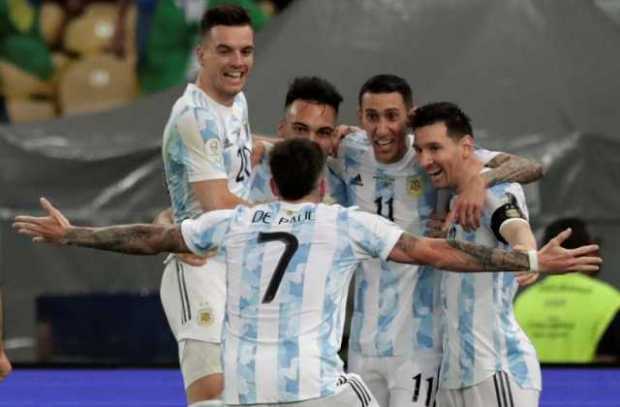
[227,14]
[387,83]
[579,236]
[456,121]
[296,166]
[314,89]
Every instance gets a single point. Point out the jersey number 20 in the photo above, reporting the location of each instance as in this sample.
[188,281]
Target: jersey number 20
[290,247]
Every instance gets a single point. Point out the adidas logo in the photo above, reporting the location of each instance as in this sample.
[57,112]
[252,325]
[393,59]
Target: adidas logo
[227,143]
[357,180]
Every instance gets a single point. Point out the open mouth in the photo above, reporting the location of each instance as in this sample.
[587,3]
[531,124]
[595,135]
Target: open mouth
[383,143]
[435,174]
[233,75]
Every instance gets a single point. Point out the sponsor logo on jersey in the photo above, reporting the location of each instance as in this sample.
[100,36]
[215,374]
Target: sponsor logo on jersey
[384,180]
[357,180]
[415,187]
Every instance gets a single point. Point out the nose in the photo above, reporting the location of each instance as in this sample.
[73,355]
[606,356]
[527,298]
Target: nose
[382,127]
[425,159]
[237,58]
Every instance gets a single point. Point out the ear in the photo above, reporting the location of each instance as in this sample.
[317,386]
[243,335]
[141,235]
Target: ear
[468,145]
[199,50]
[274,188]
[280,130]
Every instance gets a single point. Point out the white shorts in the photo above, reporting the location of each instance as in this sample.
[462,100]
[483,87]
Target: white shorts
[399,381]
[194,298]
[199,359]
[351,392]
[499,390]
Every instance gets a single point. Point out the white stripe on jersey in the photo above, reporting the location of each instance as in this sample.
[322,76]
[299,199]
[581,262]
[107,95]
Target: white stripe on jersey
[286,349]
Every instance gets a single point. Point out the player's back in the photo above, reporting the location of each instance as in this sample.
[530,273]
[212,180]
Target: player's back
[289,267]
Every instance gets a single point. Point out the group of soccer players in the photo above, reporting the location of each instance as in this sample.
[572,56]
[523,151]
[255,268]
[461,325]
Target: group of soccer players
[258,310]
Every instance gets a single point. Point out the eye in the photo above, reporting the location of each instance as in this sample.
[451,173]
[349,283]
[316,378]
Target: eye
[372,116]
[299,129]
[417,149]
[246,52]
[392,116]
[325,133]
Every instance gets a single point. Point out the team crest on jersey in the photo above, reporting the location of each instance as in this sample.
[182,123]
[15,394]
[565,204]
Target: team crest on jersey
[415,187]
[205,316]
[214,151]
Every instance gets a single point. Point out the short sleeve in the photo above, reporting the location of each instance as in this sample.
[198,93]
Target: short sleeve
[206,232]
[372,235]
[204,151]
[506,203]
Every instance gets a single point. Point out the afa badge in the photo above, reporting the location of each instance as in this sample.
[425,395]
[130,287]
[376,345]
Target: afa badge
[415,187]
[205,316]
[213,149]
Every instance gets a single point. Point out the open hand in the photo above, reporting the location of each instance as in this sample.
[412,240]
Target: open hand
[44,229]
[553,258]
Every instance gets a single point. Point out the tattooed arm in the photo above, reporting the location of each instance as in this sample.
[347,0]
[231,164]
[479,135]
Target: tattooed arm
[469,204]
[512,168]
[133,239]
[130,239]
[468,257]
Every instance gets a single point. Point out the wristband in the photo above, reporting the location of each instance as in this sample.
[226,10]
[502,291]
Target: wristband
[533,257]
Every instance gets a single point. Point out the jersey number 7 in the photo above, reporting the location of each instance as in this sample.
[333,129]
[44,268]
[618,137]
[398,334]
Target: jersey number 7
[290,247]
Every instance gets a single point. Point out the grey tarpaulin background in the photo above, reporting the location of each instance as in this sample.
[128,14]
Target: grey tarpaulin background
[538,77]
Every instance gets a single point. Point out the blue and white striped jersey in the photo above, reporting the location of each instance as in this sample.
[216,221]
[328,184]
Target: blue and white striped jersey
[260,191]
[288,271]
[481,334]
[396,311]
[204,140]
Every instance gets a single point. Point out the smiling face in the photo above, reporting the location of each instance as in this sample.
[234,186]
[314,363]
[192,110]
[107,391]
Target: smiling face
[226,56]
[384,117]
[442,156]
[311,120]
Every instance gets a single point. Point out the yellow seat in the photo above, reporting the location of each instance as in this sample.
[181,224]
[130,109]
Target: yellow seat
[92,32]
[28,110]
[96,82]
[51,19]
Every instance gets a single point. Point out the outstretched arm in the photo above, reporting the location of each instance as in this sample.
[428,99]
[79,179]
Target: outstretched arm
[468,257]
[132,239]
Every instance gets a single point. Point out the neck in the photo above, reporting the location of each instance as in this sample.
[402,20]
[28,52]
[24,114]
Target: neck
[470,167]
[207,88]
[312,197]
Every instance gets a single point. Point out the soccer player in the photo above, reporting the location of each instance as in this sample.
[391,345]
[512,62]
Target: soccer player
[288,267]
[395,340]
[310,111]
[206,151]
[487,358]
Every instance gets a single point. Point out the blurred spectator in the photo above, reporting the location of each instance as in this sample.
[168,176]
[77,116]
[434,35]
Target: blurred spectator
[21,43]
[172,37]
[572,318]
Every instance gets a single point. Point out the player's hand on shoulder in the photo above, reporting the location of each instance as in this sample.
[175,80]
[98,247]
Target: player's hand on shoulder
[339,134]
[469,203]
[438,225]
[259,150]
[193,259]
[553,258]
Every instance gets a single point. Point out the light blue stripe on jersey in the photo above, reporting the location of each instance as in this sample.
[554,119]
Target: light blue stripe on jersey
[249,302]
[291,301]
[177,177]
[388,280]
[516,357]
[424,307]
[467,298]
